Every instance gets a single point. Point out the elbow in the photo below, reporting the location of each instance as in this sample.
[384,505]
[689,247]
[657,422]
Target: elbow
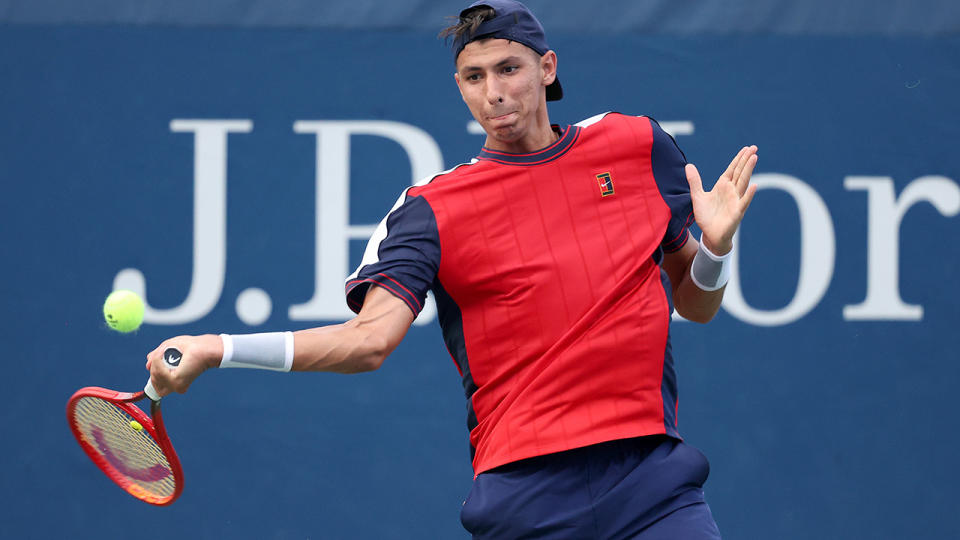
[375,350]
[370,363]
[697,314]
[696,305]
[702,318]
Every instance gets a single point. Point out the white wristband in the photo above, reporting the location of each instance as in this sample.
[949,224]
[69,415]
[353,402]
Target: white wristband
[273,351]
[710,272]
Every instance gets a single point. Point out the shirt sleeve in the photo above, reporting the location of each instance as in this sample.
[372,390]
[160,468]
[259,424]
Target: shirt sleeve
[402,256]
[668,164]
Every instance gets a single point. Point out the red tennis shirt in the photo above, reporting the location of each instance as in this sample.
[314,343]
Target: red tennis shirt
[546,272]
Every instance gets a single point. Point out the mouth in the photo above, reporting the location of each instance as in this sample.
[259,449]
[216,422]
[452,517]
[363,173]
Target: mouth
[501,117]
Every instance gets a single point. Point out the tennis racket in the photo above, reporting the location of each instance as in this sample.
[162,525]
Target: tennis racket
[131,448]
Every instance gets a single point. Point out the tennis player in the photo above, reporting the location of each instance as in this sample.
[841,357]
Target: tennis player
[556,257]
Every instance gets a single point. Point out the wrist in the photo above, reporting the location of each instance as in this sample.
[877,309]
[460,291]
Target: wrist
[718,250]
[709,271]
[212,350]
[272,351]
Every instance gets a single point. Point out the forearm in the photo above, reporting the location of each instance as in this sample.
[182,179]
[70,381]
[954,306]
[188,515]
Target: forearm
[694,303]
[350,347]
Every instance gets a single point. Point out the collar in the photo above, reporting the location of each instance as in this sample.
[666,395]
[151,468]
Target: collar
[567,138]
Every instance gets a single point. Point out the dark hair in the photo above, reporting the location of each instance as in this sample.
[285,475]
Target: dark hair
[468,23]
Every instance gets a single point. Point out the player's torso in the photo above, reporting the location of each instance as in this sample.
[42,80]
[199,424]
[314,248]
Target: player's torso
[544,241]
[539,259]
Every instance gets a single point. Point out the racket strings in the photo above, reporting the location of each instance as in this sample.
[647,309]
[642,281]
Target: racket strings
[131,452]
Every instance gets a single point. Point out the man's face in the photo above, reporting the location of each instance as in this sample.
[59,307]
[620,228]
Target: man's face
[503,84]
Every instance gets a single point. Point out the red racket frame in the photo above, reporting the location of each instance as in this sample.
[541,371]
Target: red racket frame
[153,424]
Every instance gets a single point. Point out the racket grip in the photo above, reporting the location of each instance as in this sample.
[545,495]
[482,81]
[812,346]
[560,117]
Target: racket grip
[171,357]
[150,391]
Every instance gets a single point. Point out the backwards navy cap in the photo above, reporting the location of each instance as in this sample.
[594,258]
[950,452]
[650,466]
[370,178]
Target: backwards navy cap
[512,21]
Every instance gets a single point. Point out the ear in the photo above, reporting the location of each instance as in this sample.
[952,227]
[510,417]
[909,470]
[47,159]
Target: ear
[548,65]
[456,77]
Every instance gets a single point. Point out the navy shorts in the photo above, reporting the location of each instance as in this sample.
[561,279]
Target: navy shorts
[648,488]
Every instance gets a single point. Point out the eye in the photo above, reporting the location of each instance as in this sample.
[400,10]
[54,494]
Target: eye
[510,69]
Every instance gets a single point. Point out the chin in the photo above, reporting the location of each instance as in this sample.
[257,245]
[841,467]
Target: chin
[504,134]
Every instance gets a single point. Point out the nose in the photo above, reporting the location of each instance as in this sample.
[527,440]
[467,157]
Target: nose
[494,91]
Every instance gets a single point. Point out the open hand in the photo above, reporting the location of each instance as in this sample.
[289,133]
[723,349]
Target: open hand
[718,212]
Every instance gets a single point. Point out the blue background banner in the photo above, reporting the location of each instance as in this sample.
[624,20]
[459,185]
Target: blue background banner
[237,168]
[713,17]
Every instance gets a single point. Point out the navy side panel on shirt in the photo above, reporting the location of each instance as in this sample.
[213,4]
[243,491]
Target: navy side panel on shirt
[668,164]
[668,384]
[451,321]
[402,256]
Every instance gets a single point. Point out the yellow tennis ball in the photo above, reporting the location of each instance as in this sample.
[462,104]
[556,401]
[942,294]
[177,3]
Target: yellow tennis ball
[136,425]
[123,311]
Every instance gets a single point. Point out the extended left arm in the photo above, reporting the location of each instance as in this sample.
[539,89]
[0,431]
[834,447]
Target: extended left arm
[718,213]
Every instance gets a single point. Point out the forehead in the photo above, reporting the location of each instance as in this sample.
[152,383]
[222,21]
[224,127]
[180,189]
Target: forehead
[487,52]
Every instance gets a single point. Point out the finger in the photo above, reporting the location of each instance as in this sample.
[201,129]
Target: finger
[742,158]
[747,199]
[160,375]
[158,384]
[743,180]
[151,356]
[733,164]
[158,387]
[164,379]
[693,178]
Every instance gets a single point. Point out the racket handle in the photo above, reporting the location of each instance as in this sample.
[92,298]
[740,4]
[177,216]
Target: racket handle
[150,391]
[171,357]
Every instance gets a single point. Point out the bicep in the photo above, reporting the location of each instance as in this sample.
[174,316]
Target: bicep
[386,315]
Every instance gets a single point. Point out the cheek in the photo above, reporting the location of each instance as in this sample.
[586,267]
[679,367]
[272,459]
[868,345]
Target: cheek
[469,96]
[474,103]
[528,91]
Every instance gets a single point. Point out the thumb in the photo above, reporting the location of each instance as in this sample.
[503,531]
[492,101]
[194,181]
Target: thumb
[693,178]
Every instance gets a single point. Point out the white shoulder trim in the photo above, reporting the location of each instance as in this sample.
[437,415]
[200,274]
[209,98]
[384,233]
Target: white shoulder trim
[427,179]
[592,120]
